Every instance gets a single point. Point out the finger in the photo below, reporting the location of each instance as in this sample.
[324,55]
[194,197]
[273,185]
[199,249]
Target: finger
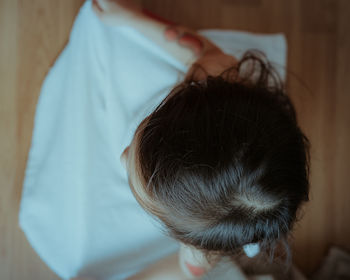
[195,270]
[171,33]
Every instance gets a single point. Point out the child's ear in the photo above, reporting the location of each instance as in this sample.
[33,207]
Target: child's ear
[192,261]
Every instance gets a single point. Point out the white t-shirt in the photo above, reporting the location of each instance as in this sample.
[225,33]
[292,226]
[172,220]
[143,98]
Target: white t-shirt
[77,210]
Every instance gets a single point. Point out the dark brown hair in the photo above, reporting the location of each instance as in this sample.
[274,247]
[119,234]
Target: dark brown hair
[226,159]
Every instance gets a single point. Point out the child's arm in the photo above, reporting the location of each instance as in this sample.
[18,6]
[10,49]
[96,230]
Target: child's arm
[164,33]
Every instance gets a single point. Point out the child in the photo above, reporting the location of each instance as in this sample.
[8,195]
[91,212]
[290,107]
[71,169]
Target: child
[221,162]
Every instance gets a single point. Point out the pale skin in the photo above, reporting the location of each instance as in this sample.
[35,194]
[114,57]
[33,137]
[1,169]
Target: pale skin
[192,49]
[182,42]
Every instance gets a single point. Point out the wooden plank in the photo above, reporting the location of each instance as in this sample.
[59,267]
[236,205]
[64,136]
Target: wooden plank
[33,33]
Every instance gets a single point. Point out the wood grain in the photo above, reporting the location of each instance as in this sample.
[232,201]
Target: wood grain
[33,33]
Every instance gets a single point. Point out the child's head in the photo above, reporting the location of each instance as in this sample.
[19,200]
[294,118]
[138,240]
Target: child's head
[222,163]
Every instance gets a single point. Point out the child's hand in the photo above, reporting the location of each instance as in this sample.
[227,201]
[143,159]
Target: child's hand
[183,43]
[190,38]
[208,55]
[192,262]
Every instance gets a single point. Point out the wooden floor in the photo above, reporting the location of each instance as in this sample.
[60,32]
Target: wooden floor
[32,33]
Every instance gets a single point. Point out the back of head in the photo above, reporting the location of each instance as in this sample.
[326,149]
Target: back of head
[226,161]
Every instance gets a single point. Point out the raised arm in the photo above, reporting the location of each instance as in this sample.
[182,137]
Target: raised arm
[183,43]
